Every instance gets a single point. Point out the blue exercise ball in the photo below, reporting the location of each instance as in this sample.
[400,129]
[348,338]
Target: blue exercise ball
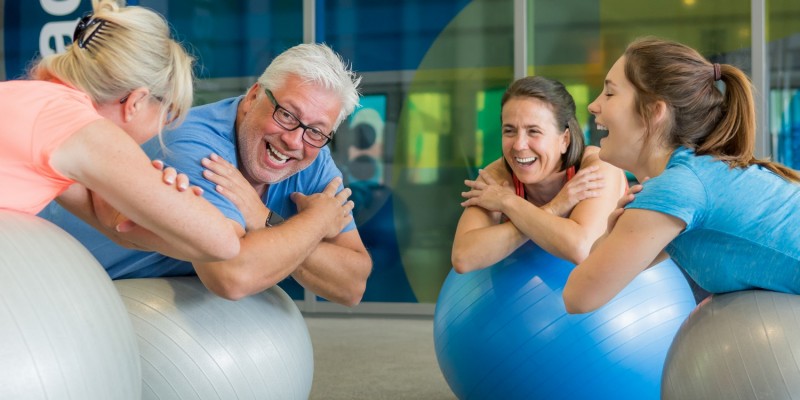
[503,332]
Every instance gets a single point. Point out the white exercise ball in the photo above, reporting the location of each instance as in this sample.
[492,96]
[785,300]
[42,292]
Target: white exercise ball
[739,345]
[64,332]
[196,345]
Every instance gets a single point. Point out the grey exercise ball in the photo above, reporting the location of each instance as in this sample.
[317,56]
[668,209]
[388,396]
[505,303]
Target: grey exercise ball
[740,345]
[64,332]
[196,345]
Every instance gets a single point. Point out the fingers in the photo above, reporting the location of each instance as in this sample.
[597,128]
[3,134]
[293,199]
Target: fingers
[624,200]
[182,181]
[125,226]
[168,175]
[635,189]
[470,194]
[468,203]
[297,197]
[486,177]
[472,184]
[333,186]
[227,178]
[219,166]
[344,195]
[171,176]
[588,170]
[348,207]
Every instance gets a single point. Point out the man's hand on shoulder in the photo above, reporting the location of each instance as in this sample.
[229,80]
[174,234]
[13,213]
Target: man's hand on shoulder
[331,210]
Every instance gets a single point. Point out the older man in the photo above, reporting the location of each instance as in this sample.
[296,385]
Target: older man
[262,159]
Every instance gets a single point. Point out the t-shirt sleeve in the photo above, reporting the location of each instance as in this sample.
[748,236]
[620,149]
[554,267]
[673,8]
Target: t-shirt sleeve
[677,192]
[329,170]
[57,121]
[185,148]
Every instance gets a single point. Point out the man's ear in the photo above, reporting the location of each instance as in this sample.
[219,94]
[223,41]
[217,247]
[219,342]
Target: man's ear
[133,103]
[249,100]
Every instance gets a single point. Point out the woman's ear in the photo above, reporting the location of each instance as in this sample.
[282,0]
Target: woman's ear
[565,141]
[659,111]
[133,102]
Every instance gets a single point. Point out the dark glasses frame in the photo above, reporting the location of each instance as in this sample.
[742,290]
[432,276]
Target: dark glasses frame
[296,123]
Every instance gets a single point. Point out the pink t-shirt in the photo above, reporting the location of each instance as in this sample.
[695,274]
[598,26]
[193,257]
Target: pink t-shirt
[38,117]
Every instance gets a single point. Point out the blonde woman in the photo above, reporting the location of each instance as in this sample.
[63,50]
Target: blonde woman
[72,131]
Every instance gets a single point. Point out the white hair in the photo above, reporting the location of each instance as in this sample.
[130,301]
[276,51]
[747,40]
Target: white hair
[315,63]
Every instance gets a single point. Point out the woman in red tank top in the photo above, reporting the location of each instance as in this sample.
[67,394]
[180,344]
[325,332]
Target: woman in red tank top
[547,187]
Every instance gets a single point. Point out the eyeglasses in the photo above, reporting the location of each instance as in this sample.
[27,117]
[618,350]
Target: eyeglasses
[124,99]
[85,23]
[290,122]
[170,115]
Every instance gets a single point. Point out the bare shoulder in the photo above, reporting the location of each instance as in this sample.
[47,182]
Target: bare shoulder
[591,156]
[497,169]
[612,174]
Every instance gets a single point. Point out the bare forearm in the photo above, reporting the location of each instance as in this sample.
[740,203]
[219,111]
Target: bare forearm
[559,236]
[483,247]
[338,274]
[267,256]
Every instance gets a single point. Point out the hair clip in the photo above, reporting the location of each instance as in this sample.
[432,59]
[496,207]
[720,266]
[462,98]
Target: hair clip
[85,23]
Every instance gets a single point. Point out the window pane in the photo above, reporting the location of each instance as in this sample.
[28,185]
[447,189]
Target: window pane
[783,39]
[435,65]
[577,41]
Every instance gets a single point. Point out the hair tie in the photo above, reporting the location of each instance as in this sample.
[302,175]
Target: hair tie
[717,72]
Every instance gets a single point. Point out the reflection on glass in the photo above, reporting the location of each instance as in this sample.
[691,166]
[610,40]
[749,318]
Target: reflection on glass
[783,37]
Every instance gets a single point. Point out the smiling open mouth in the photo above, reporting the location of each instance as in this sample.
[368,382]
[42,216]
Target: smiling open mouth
[276,156]
[526,160]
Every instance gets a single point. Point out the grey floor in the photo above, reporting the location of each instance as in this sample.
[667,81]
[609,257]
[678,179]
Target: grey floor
[375,358]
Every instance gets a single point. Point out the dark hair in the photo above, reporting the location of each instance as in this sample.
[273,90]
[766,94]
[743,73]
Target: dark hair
[563,107]
[701,117]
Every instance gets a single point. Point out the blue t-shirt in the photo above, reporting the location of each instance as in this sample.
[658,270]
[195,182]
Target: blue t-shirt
[207,129]
[742,224]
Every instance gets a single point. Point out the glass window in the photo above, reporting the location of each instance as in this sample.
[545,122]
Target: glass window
[233,41]
[437,63]
[576,41]
[783,38]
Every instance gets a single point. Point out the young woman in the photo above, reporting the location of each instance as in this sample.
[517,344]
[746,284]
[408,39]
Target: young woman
[72,131]
[548,187]
[729,220]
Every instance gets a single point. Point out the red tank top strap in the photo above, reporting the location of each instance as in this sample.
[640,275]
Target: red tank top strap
[570,172]
[519,187]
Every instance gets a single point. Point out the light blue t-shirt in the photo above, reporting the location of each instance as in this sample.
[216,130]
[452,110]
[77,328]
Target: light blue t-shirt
[207,129]
[742,225]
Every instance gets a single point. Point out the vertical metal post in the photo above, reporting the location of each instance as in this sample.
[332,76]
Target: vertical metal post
[520,38]
[2,42]
[760,71]
[309,36]
[309,21]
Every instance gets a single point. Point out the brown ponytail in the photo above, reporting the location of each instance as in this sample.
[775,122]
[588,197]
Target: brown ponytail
[702,117]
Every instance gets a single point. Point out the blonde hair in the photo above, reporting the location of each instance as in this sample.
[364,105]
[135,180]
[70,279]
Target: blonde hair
[131,49]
